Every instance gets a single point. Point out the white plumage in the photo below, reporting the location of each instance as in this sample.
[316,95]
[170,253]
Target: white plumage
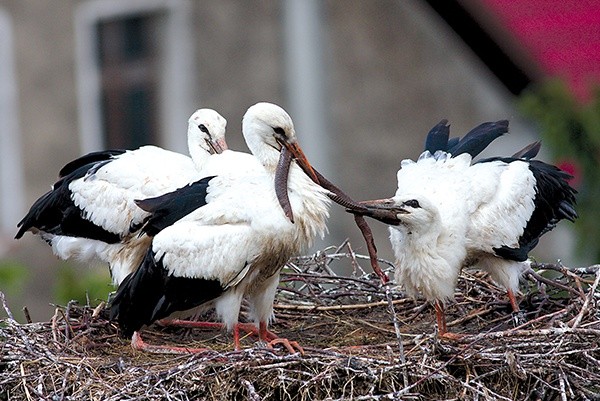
[235,244]
[90,212]
[463,209]
[454,214]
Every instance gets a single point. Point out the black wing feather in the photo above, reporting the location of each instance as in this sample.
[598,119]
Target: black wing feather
[529,152]
[452,142]
[437,138]
[172,206]
[152,293]
[479,138]
[89,160]
[56,213]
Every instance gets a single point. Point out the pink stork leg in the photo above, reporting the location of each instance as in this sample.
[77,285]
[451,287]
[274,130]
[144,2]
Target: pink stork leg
[261,332]
[139,344]
[518,315]
[441,318]
[513,301]
[441,322]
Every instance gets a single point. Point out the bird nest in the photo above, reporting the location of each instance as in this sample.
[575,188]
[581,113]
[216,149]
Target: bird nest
[362,341]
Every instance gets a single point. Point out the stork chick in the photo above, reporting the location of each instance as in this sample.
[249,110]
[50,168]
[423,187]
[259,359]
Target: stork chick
[454,213]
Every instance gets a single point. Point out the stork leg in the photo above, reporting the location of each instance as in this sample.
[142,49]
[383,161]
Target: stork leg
[247,327]
[513,301]
[262,333]
[139,344]
[441,323]
[441,318]
[250,329]
[518,316]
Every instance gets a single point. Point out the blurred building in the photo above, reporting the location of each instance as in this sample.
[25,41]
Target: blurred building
[363,80]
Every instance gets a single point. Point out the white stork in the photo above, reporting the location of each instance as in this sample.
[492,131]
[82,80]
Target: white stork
[90,211]
[245,225]
[454,213]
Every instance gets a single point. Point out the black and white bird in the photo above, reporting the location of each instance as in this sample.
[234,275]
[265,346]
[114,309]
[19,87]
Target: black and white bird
[454,213]
[90,211]
[244,223]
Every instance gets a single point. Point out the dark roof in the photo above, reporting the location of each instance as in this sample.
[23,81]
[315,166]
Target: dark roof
[528,40]
[561,36]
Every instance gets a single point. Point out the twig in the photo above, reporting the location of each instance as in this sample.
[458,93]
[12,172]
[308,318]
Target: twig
[587,301]
[15,323]
[470,316]
[563,391]
[24,382]
[27,315]
[555,331]
[392,311]
[252,394]
[553,283]
[560,268]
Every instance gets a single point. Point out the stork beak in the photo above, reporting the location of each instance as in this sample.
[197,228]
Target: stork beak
[384,210]
[220,145]
[301,159]
[217,146]
[379,203]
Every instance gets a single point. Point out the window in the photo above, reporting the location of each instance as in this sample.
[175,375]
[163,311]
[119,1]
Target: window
[134,73]
[128,65]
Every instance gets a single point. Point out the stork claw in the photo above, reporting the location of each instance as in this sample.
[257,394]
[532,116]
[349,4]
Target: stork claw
[450,336]
[289,345]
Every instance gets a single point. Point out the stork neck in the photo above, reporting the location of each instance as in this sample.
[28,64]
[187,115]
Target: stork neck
[425,240]
[198,149]
[266,155]
[421,267]
[261,143]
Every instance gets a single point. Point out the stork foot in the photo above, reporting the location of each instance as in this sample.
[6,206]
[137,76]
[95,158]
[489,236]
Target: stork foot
[138,344]
[291,346]
[272,339]
[450,336]
[517,315]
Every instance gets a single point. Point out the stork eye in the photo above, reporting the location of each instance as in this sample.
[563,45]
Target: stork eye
[279,131]
[412,203]
[203,128]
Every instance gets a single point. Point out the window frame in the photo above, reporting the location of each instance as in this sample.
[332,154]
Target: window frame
[176,72]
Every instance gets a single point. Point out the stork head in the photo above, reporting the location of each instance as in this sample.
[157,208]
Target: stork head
[270,135]
[415,211]
[410,211]
[206,132]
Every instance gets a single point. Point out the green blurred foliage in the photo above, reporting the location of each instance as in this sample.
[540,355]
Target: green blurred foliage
[80,284]
[571,131]
[13,278]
